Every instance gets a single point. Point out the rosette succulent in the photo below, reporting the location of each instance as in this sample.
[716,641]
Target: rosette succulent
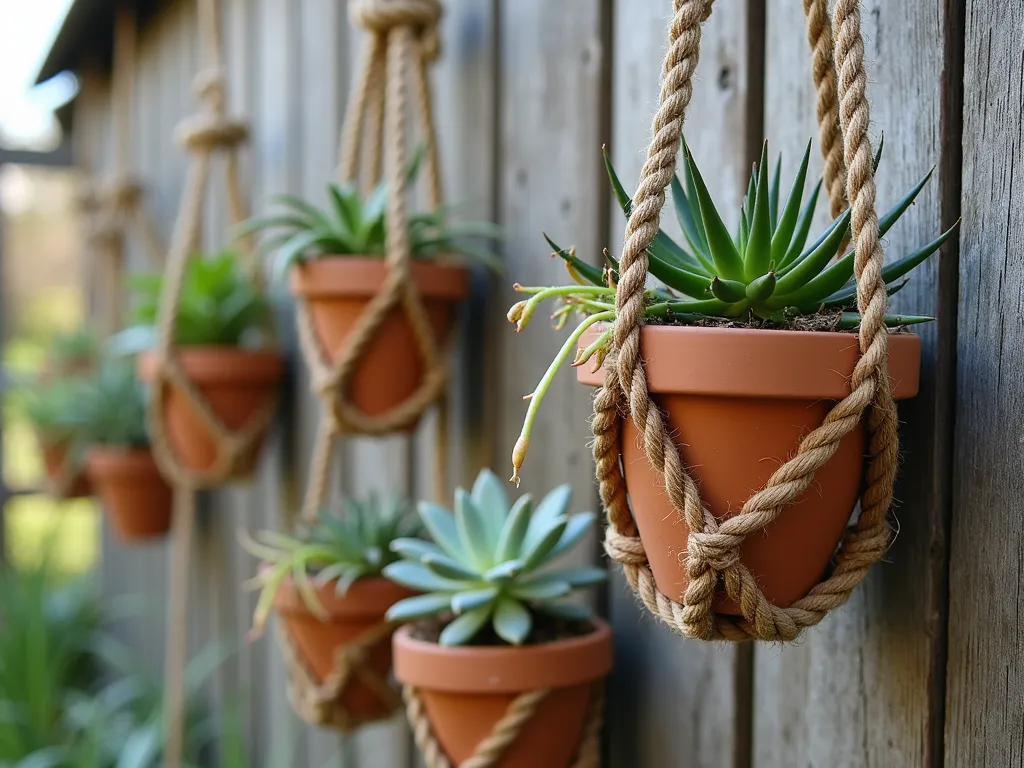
[342,546]
[488,563]
[765,274]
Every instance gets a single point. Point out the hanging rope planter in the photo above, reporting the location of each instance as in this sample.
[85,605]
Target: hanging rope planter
[714,545]
[393,313]
[210,407]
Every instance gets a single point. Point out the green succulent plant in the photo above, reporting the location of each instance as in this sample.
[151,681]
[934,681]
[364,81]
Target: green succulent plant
[351,544]
[220,305]
[73,351]
[54,407]
[113,407]
[486,563]
[765,272]
[353,226]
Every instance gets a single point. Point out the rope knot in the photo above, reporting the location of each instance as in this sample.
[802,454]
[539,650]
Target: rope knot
[627,550]
[205,132]
[718,551]
[381,16]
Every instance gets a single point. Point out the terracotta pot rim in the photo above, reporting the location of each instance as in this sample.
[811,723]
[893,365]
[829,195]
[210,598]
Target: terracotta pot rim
[756,363]
[468,669]
[366,597]
[210,364]
[119,459]
[332,277]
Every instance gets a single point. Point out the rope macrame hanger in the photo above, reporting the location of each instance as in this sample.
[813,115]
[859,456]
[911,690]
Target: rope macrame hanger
[203,135]
[402,41]
[713,549]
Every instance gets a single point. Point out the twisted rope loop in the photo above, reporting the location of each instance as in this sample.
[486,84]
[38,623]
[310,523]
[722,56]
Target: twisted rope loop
[324,703]
[490,751]
[714,546]
[402,41]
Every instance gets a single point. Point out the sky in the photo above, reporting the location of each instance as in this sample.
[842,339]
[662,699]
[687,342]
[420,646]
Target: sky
[27,29]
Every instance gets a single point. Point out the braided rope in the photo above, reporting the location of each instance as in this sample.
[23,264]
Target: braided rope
[202,135]
[402,41]
[323,703]
[714,547]
[819,35]
[489,752]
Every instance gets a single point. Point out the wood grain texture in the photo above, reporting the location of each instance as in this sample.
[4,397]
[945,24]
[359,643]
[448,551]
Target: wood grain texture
[673,697]
[550,180]
[859,690]
[985,702]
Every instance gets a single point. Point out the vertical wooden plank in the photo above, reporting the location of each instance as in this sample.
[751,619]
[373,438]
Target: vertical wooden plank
[864,688]
[273,59]
[324,71]
[673,697]
[985,704]
[465,92]
[552,60]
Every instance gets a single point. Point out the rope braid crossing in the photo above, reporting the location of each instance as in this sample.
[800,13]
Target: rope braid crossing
[489,752]
[402,41]
[204,135]
[714,546]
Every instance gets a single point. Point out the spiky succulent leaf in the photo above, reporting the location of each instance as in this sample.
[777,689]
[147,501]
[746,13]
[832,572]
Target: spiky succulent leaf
[352,225]
[360,539]
[758,254]
[496,578]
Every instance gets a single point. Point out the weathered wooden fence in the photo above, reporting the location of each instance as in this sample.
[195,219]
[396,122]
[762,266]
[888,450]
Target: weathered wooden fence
[921,667]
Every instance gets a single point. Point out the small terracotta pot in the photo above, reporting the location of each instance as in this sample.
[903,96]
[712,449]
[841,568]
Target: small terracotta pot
[237,383]
[349,616]
[55,454]
[337,290]
[739,401]
[134,492]
[466,690]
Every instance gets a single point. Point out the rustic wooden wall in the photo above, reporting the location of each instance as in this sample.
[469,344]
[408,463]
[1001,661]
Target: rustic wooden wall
[527,93]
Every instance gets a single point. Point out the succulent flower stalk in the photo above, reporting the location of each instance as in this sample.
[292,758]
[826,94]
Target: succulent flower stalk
[764,271]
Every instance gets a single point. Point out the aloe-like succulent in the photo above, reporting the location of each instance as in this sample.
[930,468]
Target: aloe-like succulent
[354,226]
[113,407]
[343,546]
[486,563]
[765,272]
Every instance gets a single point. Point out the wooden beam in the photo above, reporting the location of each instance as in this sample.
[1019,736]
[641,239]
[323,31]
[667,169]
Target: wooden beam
[985,698]
[861,688]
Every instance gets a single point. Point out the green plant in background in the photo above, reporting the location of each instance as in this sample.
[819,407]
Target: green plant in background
[762,275]
[72,352]
[219,305]
[352,544]
[486,563]
[353,226]
[48,647]
[54,408]
[72,697]
[113,407]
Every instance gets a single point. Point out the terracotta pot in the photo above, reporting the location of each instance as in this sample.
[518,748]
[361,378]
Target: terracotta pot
[739,401]
[337,290]
[55,453]
[237,383]
[350,616]
[134,492]
[466,690]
